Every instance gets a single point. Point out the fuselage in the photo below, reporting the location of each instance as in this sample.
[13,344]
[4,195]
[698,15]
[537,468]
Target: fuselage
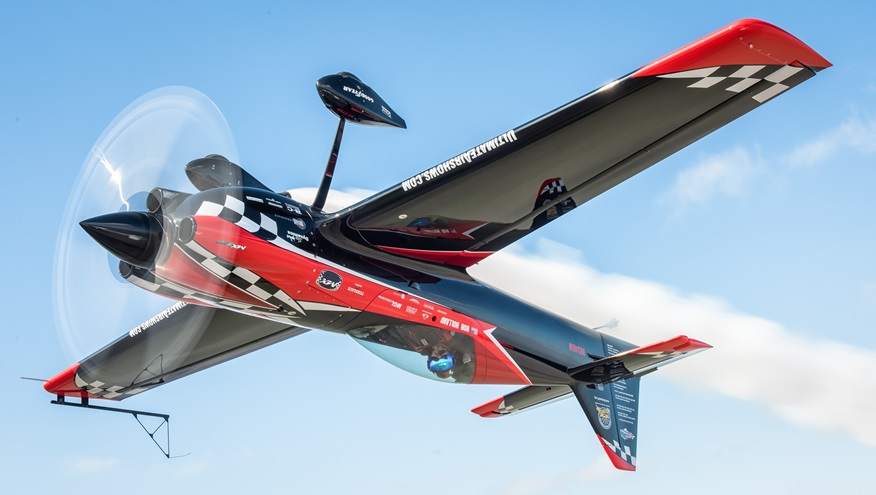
[253,251]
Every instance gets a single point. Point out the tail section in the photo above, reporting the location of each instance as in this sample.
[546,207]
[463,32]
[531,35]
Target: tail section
[607,389]
[613,411]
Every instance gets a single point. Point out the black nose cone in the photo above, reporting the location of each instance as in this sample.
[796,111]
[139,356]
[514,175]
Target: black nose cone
[131,236]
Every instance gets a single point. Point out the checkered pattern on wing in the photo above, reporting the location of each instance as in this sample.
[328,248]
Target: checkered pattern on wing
[99,389]
[661,355]
[740,78]
[554,187]
[624,452]
[243,279]
[504,409]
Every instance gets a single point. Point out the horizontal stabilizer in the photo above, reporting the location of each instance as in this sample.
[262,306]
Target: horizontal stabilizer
[522,399]
[638,361]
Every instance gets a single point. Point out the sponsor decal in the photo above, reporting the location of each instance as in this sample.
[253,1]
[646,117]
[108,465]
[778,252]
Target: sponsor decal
[273,202]
[394,304]
[294,209]
[627,434]
[299,223]
[450,323]
[294,237]
[253,198]
[385,111]
[155,319]
[358,292]
[329,280]
[459,160]
[231,245]
[598,371]
[359,93]
[577,349]
[426,315]
[604,416]
[410,309]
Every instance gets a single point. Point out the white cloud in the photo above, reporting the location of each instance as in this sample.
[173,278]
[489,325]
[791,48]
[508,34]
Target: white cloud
[599,468]
[856,133]
[91,465]
[726,174]
[192,468]
[816,383]
[868,290]
[336,199]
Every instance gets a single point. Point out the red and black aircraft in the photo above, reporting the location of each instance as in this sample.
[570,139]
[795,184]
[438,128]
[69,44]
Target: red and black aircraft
[250,267]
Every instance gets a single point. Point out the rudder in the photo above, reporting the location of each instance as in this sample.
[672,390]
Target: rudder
[613,412]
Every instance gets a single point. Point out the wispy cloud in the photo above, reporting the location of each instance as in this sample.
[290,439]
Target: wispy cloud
[801,379]
[725,174]
[856,134]
[868,290]
[90,465]
[816,383]
[336,199]
[192,468]
[599,468]
[731,172]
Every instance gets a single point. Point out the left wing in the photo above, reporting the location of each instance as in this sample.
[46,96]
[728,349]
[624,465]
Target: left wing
[181,340]
[465,208]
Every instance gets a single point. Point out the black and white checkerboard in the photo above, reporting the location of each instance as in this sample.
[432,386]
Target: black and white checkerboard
[740,78]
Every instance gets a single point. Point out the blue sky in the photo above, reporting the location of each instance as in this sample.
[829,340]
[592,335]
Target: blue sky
[757,239]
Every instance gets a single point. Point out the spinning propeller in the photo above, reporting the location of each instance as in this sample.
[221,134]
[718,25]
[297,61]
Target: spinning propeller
[143,148]
[132,181]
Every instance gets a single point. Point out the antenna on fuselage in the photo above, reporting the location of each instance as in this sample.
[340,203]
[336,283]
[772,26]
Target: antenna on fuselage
[346,96]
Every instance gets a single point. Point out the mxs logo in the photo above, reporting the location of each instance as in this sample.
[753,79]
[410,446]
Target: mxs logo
[329,280]
[231,245]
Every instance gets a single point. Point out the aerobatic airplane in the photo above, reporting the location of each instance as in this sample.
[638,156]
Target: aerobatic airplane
[250,267]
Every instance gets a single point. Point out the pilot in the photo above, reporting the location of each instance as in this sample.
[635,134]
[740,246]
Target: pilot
[444,363]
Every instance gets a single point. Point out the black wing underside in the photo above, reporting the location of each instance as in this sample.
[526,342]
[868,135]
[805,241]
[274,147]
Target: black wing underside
[482,200]
[182,340]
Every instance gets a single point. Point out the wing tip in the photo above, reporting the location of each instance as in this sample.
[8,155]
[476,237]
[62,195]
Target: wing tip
[64,383]
[744,42]
[489,409]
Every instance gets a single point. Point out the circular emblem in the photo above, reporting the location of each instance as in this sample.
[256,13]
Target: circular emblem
[604,414]
[329,280]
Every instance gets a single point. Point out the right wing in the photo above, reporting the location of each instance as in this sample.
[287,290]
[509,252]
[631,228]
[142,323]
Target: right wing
[464,209]
[181,340]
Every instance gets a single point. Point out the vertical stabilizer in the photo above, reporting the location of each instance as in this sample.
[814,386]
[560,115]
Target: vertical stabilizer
[613,411]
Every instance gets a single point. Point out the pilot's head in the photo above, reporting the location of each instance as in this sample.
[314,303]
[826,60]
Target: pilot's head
[440,361]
